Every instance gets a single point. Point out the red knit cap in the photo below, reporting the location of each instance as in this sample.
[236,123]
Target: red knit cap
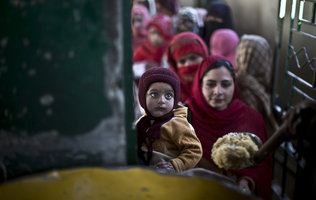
[158,74]
[164,25]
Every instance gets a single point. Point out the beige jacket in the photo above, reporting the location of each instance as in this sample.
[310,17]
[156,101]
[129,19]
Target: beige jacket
[178,143]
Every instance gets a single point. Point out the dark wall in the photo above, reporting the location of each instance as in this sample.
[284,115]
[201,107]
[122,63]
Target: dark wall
[61,84]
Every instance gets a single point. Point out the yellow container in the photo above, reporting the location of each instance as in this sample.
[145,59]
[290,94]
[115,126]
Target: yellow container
[100,183]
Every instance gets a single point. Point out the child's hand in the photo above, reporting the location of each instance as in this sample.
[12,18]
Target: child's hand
[165,165]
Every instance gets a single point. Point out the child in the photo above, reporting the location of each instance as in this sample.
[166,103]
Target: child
[140,19]
[150,53]
[188,20]
[165,138]
[184,55]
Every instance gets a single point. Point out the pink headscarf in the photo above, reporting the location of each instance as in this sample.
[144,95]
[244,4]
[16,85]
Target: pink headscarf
[224,42]
[140,33]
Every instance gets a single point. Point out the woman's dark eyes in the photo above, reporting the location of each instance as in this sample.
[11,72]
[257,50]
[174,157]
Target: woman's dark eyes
[211,85]
[193,58]
[181,62]
[223,84]
[226,84]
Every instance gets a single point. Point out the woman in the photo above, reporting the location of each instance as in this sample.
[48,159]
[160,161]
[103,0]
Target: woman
[218,16]
[184,54]
[223,42]
[254,72]
[216,111]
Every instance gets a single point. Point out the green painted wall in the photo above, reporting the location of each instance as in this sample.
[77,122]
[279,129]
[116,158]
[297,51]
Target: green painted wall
[61,84]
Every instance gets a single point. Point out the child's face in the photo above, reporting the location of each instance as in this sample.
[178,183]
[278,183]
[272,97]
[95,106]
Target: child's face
[189,59]
[159,99]
[154,37]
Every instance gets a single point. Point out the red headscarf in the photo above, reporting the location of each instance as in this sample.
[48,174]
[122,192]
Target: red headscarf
[147,52]
[181,44]
[210,124]
[164,25]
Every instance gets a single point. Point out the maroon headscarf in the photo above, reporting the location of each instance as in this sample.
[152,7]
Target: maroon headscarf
[210,124]
[181,44]
[148,127]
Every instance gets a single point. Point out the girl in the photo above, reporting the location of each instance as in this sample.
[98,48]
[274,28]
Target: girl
[140,19]
[160,32]
[184,54]
[165,138]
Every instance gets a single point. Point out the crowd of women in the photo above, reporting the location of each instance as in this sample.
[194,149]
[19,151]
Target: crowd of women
[195,81]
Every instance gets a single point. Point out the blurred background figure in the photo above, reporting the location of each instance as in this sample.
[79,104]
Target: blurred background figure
[140,19]
[254,72]
[149,54]
[167,7]
[188,20]
[184,54]
[224,42]
[149,4]
[218,16]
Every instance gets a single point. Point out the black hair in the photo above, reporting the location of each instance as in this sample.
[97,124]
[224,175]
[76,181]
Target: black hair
[218,64]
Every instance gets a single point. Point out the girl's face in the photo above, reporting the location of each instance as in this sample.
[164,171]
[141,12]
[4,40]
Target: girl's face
[189,59]
[159,99]
[218,88]
[154,37]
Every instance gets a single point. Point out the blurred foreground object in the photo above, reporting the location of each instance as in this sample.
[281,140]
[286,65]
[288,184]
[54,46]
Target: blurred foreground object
[130,183]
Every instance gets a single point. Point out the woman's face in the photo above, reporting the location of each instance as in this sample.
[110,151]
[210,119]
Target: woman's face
[159,99]
[154,37]
[218,88]
[189,59]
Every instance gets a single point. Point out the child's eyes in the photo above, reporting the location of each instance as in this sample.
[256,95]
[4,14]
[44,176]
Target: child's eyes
[168,96]
[154,94]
